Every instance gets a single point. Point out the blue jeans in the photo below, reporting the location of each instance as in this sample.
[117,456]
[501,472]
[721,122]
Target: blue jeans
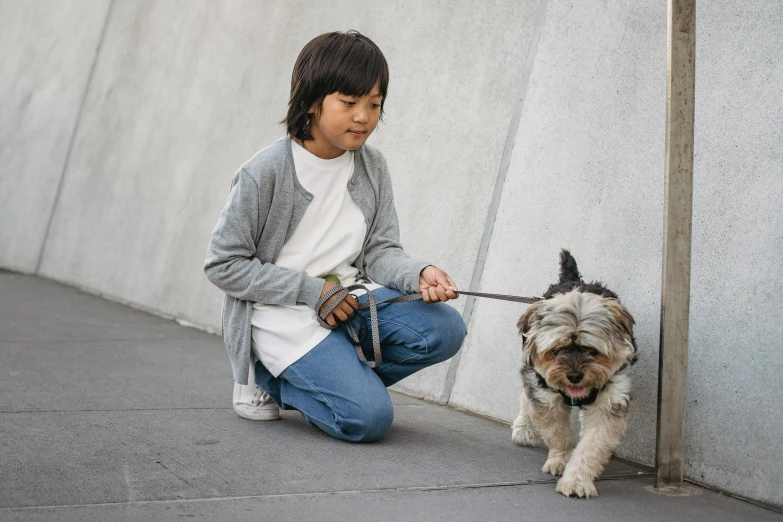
[347,399]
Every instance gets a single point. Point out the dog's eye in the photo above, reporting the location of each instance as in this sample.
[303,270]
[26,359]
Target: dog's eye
[592,352]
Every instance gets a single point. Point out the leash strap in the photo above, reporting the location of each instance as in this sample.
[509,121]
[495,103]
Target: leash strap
[372,304]
[502,297]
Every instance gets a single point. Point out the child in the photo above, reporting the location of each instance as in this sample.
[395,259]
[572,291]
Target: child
[318,202]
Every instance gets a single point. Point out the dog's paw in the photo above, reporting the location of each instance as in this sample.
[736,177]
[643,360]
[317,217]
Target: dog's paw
[526,436]
[572,487]
[555,466]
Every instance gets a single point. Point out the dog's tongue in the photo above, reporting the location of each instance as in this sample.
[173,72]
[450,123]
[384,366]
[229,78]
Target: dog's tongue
[576,391]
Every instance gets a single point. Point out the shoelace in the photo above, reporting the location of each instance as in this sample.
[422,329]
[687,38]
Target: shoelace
[372,304]
[260,397]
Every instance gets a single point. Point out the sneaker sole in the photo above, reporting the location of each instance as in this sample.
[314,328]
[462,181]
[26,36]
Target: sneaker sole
[267,416]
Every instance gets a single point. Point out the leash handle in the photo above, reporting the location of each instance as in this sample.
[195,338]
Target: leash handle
[342,293]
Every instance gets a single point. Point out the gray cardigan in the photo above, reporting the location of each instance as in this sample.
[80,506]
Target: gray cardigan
[264,207]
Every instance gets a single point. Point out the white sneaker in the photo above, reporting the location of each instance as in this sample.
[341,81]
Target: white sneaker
[253,403]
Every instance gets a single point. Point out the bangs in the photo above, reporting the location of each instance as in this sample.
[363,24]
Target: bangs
[353,67]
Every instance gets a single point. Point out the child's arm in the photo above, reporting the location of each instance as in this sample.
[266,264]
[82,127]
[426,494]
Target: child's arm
[231,264]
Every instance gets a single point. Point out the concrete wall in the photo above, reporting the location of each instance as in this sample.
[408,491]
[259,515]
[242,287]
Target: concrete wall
[45,67]
[586,174]
[183,92]
[734,426]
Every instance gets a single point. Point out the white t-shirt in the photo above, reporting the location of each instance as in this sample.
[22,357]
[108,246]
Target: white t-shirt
[327,241]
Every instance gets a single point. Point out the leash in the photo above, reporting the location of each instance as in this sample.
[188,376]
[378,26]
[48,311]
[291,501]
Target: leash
[372,304]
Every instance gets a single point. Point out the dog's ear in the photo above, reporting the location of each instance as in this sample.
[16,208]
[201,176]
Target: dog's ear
[525,323]
[621,315]
[529,318]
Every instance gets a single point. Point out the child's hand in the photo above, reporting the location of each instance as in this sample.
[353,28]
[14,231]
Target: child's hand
[343,311]
[435,285]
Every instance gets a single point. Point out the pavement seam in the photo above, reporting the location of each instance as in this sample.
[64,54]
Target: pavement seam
[94,341]
[449,487]
[116,410]
[88,341]
[770,507]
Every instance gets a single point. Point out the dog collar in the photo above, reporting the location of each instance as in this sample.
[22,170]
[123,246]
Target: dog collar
[570,401]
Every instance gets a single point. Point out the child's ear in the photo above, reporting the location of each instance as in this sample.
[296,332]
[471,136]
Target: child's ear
[315,108]
[313,114]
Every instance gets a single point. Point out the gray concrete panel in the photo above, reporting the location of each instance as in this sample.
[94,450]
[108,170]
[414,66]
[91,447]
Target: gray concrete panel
[620,500]
[66,350]
[733,422]
[104,375]
[126,457]
[44,66]
[181,97]
[86,417]
[586,174]
[39,310]
[62,458]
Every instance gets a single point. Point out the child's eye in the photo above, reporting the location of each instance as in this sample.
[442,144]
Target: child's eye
[376,106]
[349,103]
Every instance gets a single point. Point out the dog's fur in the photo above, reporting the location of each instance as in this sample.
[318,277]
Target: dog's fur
[577,342]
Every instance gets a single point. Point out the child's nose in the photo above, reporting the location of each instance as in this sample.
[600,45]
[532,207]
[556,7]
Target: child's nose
[361,115]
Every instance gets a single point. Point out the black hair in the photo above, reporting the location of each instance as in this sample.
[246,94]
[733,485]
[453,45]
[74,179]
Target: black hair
[344,62]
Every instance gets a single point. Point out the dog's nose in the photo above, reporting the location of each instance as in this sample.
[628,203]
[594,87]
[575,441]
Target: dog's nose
[575,377]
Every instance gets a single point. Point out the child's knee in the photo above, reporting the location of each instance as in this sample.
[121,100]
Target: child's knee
[377,422]
[450,333]
[368,420]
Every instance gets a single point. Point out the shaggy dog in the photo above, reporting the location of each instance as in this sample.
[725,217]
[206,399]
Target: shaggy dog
[577,349]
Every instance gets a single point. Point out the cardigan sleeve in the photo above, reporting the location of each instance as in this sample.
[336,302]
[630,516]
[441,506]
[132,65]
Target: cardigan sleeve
[231,263]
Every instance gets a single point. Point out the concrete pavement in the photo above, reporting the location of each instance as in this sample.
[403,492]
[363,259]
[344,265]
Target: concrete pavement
[109,413]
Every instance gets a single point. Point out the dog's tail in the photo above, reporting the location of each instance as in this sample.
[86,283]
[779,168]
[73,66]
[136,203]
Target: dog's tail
[568,269]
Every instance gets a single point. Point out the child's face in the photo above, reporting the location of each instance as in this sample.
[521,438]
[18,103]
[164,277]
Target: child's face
[345,123]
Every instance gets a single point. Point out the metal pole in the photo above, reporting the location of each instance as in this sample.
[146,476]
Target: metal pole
[676,280]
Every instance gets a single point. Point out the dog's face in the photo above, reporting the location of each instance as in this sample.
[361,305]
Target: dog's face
[577,340]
